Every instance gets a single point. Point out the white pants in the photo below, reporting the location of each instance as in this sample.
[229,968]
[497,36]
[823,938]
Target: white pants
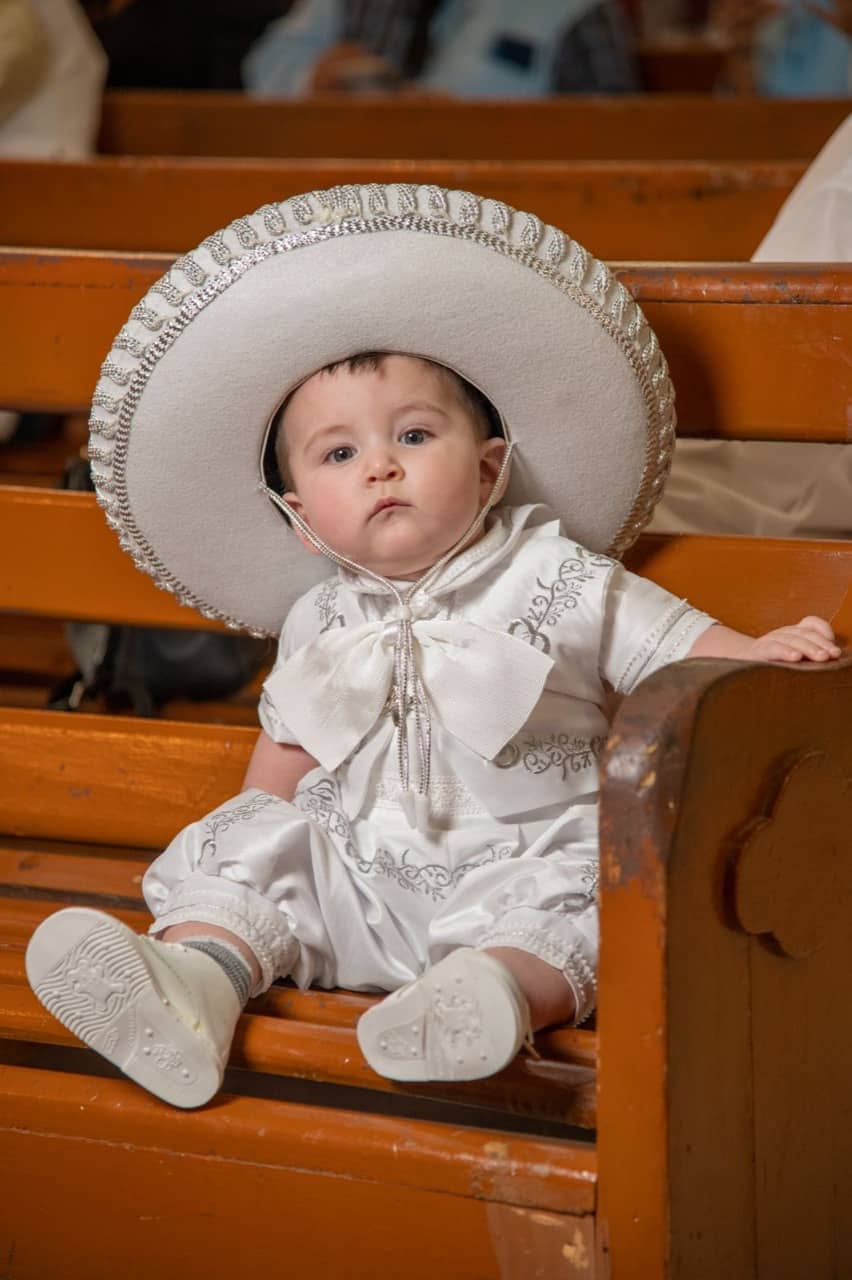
[370,905]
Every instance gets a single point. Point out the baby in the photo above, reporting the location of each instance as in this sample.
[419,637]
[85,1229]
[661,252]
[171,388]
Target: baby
[419,814]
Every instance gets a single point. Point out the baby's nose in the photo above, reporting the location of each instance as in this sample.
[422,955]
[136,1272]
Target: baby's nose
[383,465]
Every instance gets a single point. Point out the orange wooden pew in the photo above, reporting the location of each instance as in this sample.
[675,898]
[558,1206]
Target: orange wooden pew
[697,1130]
[631,210]
[658,126]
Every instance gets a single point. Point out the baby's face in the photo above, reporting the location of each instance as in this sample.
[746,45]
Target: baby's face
[386,465]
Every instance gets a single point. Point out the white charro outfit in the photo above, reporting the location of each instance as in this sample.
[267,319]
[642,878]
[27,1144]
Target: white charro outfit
[509,857]
[456,720]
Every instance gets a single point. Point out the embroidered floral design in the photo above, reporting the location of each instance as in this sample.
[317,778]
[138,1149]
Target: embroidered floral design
[590,876]
[325,603]
[223,821]
[320,803]
[574,903]
[556,751]
[557,597]
[431,879]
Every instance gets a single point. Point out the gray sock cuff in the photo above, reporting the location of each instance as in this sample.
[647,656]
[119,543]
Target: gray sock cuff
[228,958]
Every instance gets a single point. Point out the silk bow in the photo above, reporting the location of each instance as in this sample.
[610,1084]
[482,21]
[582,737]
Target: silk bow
[481,684]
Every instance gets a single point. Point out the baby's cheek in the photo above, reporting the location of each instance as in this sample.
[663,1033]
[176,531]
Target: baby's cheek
[328,513]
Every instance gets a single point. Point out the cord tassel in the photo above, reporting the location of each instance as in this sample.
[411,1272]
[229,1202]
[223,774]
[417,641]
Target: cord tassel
[407,694]
[410,696]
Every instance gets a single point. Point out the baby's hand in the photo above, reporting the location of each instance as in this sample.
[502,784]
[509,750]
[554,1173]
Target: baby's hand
[811,638]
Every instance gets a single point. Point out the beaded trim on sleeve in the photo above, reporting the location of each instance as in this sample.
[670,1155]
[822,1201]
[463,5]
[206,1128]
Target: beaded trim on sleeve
[198,278]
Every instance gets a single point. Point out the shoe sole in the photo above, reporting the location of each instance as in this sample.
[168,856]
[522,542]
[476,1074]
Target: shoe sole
[88,971]
[463,1025]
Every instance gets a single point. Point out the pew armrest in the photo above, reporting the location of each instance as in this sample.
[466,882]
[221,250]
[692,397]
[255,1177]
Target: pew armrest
[726,907]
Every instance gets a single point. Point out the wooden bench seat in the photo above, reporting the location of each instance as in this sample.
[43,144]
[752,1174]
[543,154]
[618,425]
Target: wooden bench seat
[694,1035]
[620,127]
[622,209]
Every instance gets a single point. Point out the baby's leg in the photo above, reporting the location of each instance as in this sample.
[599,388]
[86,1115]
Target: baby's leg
[546,989]
[537,914]
[514,948]
[195,931]
[163,1012]
[164,1008]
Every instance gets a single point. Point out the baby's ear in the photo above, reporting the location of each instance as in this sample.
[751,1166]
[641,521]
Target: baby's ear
[491,454]
[293,500]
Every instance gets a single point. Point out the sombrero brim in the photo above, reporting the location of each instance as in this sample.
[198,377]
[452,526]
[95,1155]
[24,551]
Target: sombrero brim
[191,383]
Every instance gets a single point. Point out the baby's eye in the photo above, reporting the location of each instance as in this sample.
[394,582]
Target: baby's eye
[414,435]
[342,453]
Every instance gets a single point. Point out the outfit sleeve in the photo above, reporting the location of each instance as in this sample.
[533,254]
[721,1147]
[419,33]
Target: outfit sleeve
[271,722]
[644,628]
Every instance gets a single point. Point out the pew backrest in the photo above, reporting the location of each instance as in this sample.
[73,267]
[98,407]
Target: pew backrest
[642,210]
[621,127]
[70,304]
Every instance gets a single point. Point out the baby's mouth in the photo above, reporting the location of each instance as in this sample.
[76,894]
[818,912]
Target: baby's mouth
[386,504]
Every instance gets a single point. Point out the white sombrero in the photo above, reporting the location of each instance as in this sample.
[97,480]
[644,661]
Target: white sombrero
[194,377]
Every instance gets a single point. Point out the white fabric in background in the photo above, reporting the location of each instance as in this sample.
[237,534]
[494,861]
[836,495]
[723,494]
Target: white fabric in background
[60,120]
[764,488]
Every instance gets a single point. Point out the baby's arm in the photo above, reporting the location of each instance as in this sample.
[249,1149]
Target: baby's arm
[811,638]
[277,767]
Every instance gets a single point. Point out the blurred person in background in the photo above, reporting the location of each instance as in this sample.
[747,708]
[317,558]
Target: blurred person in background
[786,48]
[461,48]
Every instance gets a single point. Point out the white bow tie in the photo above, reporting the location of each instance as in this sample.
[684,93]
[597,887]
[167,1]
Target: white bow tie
[481,684]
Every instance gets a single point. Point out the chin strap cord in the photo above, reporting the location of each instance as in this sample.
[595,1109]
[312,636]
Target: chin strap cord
[408,697]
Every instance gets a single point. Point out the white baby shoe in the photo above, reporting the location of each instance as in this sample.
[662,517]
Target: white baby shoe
[164,1013]
[465,1018]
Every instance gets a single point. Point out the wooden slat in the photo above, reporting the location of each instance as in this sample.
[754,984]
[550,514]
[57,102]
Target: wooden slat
[650,127]
[99,779]
[551,1175]
[575,1045]
[752,584]
[549,1089]
[69,872]
[644,210]
[63,534]
[706,316]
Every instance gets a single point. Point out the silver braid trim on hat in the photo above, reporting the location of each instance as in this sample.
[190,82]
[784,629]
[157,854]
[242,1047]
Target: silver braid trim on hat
[158,320]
